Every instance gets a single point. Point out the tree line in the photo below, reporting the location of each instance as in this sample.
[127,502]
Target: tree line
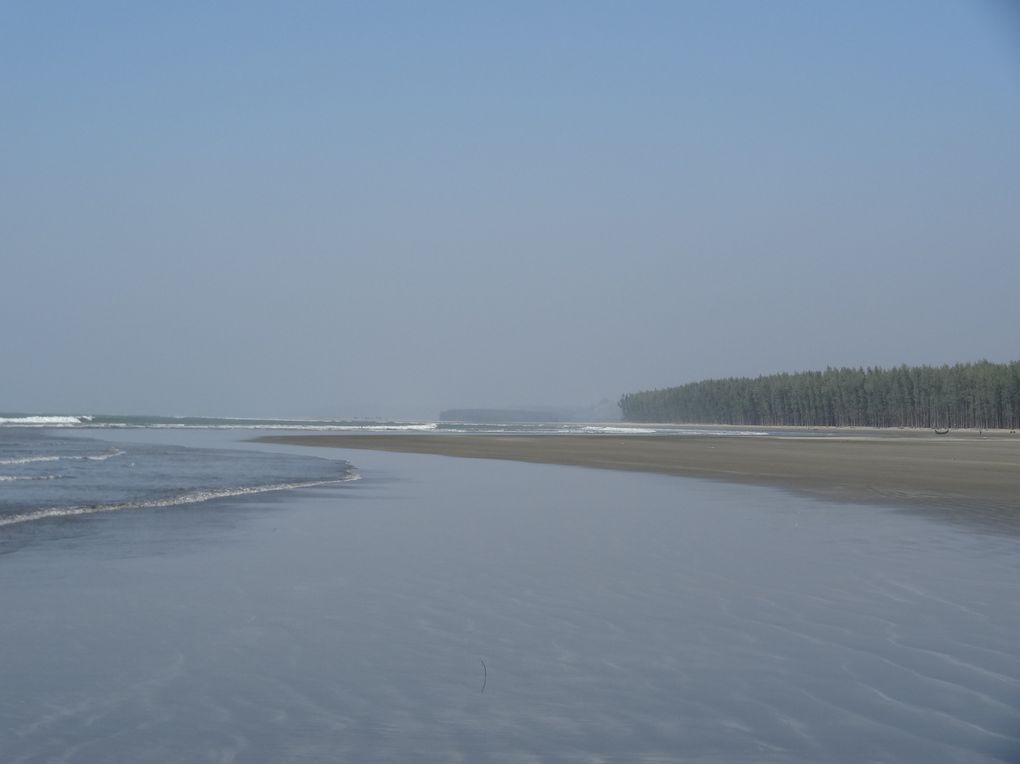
[968,395]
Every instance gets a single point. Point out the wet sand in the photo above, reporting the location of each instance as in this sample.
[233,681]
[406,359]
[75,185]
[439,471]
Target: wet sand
[620,617]
[919,471]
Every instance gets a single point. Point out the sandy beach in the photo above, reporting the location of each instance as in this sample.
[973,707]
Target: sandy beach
[908,468]
[608,615]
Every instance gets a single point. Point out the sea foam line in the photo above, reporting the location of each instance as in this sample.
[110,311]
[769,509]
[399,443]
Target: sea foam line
[100,457]
[92,458]
[187,498]
[610,430]
[30,460]
[45,420]
[4,478]
[314,427]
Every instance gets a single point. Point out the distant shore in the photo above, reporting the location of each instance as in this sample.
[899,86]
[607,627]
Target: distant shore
[911,467]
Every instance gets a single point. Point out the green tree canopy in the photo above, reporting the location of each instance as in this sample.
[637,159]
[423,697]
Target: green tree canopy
[967,395]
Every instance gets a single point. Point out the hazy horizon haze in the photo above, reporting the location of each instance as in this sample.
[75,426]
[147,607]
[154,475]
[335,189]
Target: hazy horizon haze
[266,209]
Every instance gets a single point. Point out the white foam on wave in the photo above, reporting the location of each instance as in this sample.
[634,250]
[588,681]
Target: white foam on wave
[408,427]
[339,427]
[30,460]
[713,433]
[188,498]
[263,426]
[92,458]
[610,430]
[6,478]
[102,457]
[47,421]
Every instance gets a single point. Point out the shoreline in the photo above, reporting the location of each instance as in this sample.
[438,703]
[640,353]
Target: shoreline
[862,431]
[908,469]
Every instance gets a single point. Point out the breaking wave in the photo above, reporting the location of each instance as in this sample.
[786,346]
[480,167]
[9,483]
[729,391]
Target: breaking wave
[263,426]
[610,430]
[45,421]
[409,427]
[30,460]
[208,423]
[101,457]
[35,459]
[194,497]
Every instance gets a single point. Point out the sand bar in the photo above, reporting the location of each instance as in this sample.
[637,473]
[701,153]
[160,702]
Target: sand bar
[932,472]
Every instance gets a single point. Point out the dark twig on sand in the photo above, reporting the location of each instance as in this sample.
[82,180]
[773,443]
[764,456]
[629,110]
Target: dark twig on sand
[485,675]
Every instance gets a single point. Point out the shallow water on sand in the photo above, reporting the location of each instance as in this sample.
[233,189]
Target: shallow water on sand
[620,617]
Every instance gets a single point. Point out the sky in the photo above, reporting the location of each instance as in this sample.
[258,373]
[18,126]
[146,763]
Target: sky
[387,209]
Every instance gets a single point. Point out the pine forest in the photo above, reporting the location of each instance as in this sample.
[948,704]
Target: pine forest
[967,395]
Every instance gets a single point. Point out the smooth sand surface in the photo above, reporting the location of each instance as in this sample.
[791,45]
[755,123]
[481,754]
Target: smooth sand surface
[934,472]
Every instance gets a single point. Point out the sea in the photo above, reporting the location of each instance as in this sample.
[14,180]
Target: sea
[171,591]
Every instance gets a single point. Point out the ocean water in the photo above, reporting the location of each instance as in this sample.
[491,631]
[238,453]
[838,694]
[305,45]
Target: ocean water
[107,422]
[444,609]
[47,476]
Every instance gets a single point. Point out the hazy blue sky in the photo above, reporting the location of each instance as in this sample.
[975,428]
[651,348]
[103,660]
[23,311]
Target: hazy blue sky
[316,208]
